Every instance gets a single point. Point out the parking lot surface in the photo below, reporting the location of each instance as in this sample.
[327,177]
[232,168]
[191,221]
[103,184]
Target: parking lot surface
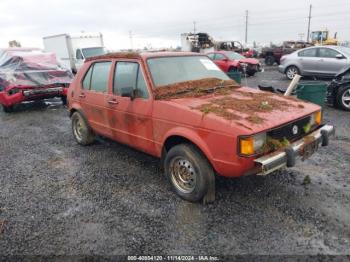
[60,198]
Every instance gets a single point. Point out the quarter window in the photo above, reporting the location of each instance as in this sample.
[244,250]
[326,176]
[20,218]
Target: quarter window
[308,53]
[129,74]
[87,79]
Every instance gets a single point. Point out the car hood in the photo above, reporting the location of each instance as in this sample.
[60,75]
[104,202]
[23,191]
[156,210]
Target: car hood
[251,61]
[243,108]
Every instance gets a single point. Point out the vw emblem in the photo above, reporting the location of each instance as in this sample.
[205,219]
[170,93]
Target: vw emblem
[295,130]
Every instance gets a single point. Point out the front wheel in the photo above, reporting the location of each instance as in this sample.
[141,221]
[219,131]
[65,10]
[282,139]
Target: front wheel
[189,172]
[291,72]
[269,60]
[343,98]
[81,130]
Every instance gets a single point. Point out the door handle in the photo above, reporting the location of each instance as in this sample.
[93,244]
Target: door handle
[113,102]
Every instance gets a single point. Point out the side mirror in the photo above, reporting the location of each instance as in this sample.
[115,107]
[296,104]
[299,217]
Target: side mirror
[128,92]
[339,56]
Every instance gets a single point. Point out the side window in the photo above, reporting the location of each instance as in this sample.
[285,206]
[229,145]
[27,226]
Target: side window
[87,79]
[219,57]
[79,55]
[129,74]
[328,53]
[308,52]
[99,78]
[211,56]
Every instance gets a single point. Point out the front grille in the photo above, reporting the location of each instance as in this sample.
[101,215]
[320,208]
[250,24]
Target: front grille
[291,131]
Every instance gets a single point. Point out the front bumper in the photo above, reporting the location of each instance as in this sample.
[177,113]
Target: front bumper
[281,69]
[301,149]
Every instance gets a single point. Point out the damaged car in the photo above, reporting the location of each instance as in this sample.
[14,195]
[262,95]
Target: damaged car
[30,74]
[338,91]
[230,61]
[181,108]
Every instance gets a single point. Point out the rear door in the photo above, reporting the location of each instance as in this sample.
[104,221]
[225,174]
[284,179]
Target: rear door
[221,61]
[308,61]
[329,63]
[94,95]
[130,119]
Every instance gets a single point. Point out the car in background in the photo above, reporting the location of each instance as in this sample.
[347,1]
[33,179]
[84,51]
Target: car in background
[338,91]
[30,74]
[181,108]
[230,61]
[323,61]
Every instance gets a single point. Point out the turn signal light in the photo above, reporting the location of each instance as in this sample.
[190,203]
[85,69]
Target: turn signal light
[247,146]
[318,117]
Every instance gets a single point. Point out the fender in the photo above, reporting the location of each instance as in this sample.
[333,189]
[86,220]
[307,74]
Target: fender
[192,136]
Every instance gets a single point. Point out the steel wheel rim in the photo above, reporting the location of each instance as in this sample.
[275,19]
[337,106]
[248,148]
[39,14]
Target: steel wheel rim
[183,174]
[78,128]
[292,72]
[346,98]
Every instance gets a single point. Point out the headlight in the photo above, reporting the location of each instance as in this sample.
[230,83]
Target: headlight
[251,145]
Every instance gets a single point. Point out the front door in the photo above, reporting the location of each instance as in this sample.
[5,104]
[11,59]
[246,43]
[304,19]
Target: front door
[130,119]
[329,63]
[94,96]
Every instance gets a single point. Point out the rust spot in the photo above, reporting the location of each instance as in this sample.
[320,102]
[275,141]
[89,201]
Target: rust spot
[255,119]
[217,110]
[195,88]
[130,55]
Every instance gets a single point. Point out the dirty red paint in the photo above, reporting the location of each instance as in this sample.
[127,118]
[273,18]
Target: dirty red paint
[146,124]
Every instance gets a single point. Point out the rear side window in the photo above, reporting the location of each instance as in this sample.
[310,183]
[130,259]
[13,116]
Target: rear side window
[96,78]
[219,57]
[308,53]
[129,74]
[211,56]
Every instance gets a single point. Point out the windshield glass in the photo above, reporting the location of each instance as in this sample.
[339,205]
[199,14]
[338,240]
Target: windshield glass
[234,56]
[93,51]
[170,70]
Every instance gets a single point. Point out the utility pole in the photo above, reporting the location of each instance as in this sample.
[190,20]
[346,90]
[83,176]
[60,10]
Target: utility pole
[131,40]
[309,24]
[194,27]
[246,26]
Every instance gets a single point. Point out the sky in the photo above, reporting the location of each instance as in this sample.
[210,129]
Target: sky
[159,23]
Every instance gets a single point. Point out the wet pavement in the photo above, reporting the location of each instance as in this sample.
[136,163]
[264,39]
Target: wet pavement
[57,197]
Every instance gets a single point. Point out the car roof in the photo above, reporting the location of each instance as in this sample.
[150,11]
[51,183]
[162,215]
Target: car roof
[145,55]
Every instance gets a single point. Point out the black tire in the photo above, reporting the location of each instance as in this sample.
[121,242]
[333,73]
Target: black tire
[232,70]
[82,132]
[251,73]
[269,60]
[194,170]
[343,92]
[64,100]
[291,71]
[8,109]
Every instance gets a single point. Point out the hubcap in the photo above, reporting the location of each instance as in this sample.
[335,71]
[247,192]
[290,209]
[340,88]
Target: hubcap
[78,128]
[292,72]
[183,174]
[346,98]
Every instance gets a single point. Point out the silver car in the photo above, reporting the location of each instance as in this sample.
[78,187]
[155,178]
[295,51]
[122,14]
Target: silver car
[324,61]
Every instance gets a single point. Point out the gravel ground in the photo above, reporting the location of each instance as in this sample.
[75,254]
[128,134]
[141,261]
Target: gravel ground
[61,198]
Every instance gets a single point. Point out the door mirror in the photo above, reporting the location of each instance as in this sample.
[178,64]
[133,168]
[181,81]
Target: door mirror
[339,56]
[128,92]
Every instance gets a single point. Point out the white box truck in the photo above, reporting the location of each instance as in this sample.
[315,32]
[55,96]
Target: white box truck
[72,50]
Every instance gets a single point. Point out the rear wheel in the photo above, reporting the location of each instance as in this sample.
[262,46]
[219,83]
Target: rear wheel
[343,98]
[291,72]
[8,109]
[189,172]
[81,130]
[64,100]
[269,60]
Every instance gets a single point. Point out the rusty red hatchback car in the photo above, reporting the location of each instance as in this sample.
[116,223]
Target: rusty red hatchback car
[182,108]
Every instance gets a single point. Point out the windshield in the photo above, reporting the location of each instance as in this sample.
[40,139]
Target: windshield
[234,56]
[170,70]
[93,51]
